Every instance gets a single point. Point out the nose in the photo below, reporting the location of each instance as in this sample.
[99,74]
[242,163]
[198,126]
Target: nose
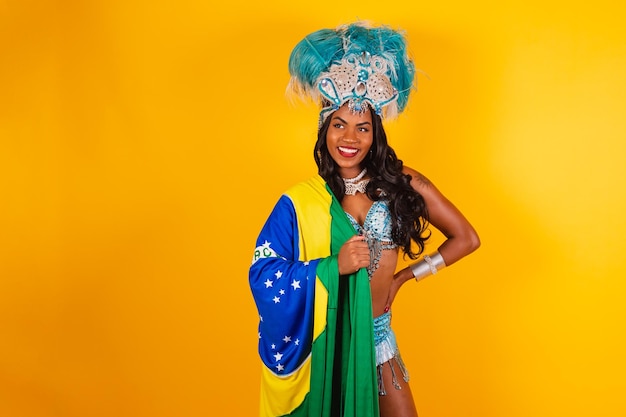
[350,135]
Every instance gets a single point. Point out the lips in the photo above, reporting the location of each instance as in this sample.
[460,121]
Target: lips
[347,152]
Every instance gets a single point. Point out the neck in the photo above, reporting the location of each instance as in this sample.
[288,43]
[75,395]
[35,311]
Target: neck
[356,184]
[353,175]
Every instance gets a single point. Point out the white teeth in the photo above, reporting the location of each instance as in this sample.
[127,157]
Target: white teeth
[348,150]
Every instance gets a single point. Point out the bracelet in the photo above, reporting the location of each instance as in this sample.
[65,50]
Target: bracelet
[427,266]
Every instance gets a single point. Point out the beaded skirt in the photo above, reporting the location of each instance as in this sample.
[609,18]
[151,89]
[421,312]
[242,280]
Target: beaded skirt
[387,352]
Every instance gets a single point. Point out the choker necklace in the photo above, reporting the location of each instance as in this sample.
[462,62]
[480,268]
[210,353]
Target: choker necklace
[355,184]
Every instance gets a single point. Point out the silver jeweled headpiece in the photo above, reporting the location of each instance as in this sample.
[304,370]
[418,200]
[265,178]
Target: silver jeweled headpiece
[360,80]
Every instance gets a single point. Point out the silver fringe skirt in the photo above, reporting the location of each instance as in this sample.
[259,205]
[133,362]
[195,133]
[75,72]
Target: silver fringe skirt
[387,352]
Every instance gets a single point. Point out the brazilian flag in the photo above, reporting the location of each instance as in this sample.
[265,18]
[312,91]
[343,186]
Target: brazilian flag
[315,327]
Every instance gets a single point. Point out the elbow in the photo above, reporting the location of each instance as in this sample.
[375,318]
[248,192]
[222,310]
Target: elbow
[473,242]
[467,243]
[460,246]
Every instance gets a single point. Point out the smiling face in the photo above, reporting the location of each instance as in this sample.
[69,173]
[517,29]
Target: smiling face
[349,139]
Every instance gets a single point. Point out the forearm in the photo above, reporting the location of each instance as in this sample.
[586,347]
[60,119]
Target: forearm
[403,276]
[457,247]
[449,252]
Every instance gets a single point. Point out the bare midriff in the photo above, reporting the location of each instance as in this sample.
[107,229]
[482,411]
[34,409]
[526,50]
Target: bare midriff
[381,280]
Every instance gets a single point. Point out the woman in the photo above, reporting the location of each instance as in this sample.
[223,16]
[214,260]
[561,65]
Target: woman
[323,274]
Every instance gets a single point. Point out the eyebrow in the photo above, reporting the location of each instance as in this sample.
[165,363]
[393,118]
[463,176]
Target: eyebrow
[358,124]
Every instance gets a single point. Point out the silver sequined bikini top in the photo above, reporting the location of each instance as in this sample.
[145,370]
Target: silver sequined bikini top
[377,231]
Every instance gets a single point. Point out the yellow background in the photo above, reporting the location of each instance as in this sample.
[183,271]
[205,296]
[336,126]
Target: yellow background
[143,144]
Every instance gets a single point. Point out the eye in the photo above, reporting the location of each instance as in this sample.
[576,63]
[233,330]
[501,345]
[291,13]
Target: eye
[338,126]
[364,129]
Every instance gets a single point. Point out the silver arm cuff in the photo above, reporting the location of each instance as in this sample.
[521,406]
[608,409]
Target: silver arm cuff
[429,265]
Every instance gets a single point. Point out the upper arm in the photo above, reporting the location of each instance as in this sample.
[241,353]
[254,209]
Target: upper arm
[446,217]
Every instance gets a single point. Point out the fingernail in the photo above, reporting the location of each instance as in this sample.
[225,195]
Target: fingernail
[386,309]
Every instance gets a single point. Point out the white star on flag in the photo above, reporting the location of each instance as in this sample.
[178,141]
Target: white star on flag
[278,274]
[295,284]
[297,342]
[281,292]
[278,356]
[268,283]
[279,367]
[287,339]
[276,300]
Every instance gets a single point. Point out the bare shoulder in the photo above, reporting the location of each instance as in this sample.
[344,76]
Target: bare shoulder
[419,181]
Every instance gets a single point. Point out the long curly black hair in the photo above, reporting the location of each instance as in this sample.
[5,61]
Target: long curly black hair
[408,209]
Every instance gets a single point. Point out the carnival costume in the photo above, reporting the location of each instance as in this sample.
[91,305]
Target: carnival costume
[316,333]
[377,231]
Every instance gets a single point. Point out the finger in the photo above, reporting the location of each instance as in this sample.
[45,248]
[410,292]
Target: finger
[360,246]
[388,303]
[360,253]
[356,238]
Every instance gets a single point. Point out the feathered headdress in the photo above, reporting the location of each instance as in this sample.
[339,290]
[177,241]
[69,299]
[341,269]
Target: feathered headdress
[355,64]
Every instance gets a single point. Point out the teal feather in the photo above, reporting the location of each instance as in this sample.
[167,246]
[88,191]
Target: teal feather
[314,55]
